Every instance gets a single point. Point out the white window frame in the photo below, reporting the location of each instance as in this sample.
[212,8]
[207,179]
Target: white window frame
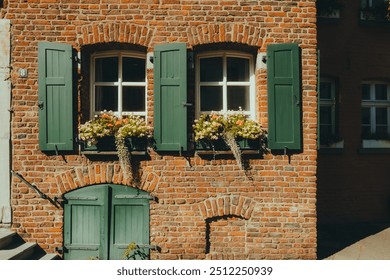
[251,113]
[119,83]
[373,104]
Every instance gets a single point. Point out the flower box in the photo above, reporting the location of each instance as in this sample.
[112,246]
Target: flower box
[107,144]
[136,143]
[220,144]
[212,145]
[99,133]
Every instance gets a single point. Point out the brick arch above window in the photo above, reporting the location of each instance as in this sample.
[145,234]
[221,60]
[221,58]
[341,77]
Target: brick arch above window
[228,205]
[104,32]
[102,174]
[226,32]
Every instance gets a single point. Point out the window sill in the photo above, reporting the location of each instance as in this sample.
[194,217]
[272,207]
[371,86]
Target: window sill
[374,23]
[366,151]
[112,153]
[330,151]
[375,144]
[212,153]
[375,147]
[335,145]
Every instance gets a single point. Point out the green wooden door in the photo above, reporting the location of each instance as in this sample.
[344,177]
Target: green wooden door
[86,223]
[130,223]
[100,222]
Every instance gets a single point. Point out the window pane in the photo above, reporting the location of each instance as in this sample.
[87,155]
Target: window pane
[210,98]
[133,99]
[238,96]
[366,131]
[366,116]
[366,92]
[211,69]
[237,69]
[381,116]
[325,133]
[106,98]
[326,115]
[381,92]
[381,131]
[325,90]
[133,69]
[106,69]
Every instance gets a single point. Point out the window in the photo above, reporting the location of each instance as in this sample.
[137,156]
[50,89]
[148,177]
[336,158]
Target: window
[225,82]
[374,10]
[118,83]
[376,110]
[328,113]
[328,9]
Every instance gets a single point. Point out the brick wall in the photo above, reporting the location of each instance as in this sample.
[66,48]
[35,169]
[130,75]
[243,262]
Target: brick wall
[267,211]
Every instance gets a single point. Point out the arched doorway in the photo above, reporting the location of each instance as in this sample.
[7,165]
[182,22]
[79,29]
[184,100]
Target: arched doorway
[100,222]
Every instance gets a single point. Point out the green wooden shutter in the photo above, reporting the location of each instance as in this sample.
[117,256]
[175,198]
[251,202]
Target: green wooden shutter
[129,222]
[55,90]
[284,97]
[86,224]
[170,97]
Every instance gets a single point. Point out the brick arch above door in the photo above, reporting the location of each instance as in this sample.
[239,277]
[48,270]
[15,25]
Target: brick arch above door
[226,32]
[102,174]
[229,205]
[123,32]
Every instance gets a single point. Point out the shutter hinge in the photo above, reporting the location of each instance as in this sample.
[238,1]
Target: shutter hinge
[76,57]
[41,104]
[60,200]
[190,58]
[60,249]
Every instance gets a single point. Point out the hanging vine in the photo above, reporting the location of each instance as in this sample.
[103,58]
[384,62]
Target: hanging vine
[124,158]
[234,147]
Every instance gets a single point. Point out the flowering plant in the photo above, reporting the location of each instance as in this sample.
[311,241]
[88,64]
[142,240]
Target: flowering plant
[105,124]
[240,126]
[209,127]
[108,124]
[228,127]
[134,126]
[213,126]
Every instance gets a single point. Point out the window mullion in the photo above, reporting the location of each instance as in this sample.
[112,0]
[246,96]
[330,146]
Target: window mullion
[93,91]
[388,108]
[120,92]
[388,120]
[373,110]
[224,84]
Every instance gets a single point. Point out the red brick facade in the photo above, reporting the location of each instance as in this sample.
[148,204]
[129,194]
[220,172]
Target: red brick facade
[207,208]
